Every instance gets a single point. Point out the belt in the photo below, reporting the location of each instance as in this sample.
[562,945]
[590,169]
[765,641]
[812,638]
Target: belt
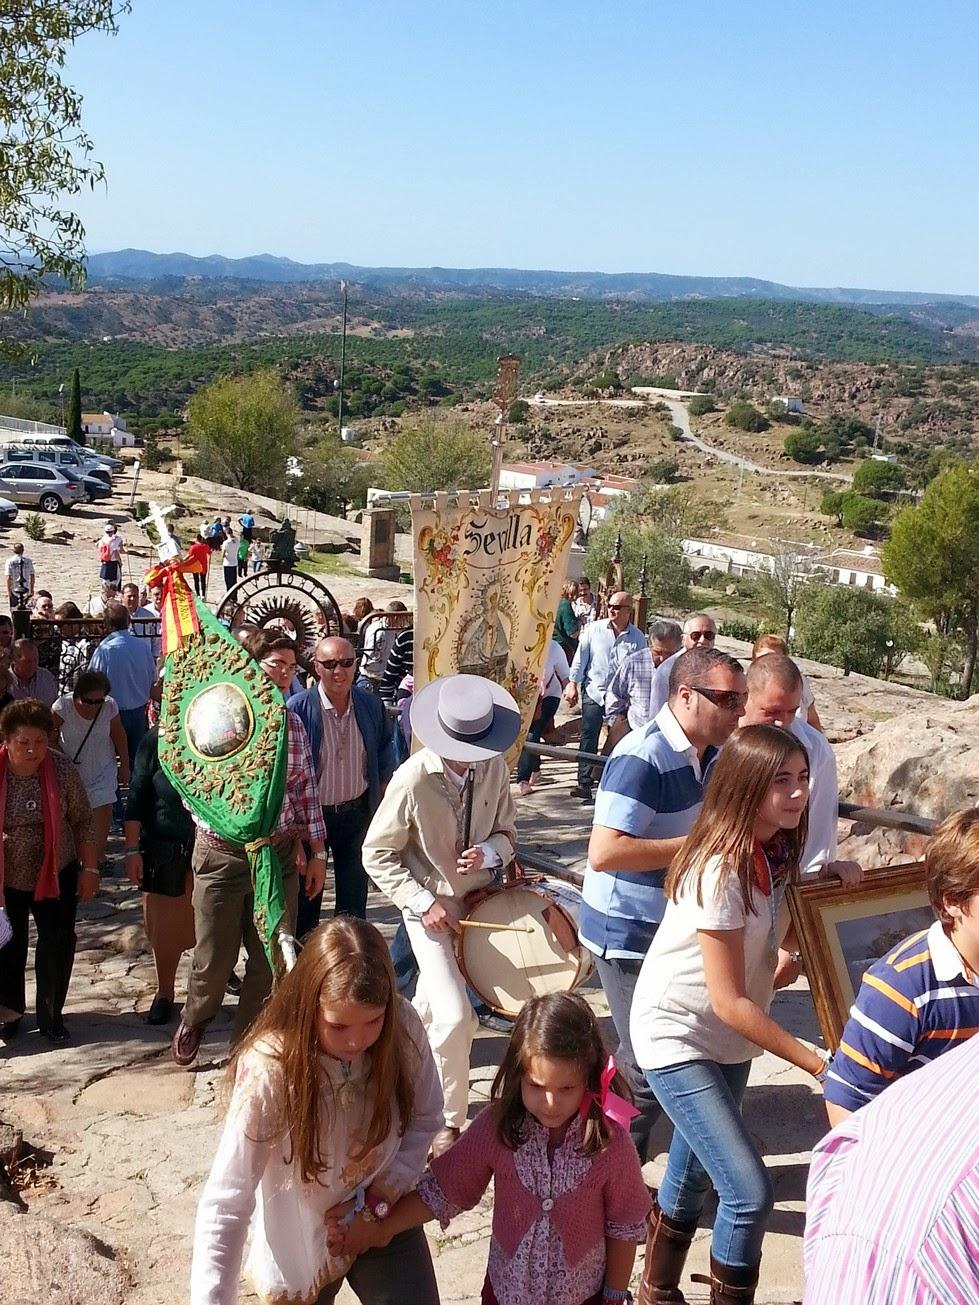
[212,840]
[334,808]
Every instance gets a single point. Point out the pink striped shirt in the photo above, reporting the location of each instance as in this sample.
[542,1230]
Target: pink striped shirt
[343,759]
[893,1196]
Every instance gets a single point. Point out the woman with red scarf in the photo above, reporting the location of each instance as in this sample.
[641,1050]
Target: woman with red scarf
[47,865]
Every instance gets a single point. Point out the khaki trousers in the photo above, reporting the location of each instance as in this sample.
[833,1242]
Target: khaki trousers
[443,1005]
[223,923]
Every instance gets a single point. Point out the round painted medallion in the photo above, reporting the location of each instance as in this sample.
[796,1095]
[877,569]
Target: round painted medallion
[219,722]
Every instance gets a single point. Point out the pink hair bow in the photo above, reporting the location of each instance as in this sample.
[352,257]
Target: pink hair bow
[609,1103]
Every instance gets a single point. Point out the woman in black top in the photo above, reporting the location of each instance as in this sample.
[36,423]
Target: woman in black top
[159,843]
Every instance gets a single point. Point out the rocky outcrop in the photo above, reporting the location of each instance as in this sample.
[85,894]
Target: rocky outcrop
[43,1261]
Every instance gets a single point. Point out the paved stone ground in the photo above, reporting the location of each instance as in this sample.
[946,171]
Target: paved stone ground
[132,1136]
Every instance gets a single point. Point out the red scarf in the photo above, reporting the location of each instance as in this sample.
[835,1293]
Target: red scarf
[47,882]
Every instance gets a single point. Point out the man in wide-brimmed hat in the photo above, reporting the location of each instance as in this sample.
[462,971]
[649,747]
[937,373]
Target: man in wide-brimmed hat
[418,853]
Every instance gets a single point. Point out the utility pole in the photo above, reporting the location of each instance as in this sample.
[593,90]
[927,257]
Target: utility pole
[343,357]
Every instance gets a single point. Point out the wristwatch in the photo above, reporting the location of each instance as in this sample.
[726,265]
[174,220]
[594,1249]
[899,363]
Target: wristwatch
[617,1295]
[318,856]
[378,1207]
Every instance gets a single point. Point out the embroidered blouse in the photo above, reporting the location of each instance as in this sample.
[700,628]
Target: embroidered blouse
[253,1177]
[551,1214]
[23,823]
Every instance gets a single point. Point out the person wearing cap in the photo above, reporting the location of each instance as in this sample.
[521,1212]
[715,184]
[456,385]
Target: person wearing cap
[420,854]
[110,548]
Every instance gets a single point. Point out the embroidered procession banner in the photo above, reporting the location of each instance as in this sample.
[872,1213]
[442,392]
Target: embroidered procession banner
[487,584]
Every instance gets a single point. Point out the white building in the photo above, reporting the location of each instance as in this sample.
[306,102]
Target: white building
[105,426]
[843,566]
[542,475]
[792,402]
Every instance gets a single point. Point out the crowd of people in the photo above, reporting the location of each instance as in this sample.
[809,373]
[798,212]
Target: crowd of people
[714,789]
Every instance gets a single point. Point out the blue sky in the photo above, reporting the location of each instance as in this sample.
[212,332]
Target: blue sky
[815,144]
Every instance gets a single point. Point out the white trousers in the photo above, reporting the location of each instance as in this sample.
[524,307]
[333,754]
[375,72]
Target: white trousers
[443,1006]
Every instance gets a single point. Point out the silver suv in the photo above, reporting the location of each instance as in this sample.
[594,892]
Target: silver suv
[40,485]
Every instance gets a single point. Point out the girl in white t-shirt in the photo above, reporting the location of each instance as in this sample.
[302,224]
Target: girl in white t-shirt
[336,1097]
[700,1011]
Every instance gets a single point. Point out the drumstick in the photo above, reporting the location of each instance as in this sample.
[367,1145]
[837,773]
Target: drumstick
[482,924]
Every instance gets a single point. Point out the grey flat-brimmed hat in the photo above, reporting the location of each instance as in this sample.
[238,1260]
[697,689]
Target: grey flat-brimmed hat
[465,718]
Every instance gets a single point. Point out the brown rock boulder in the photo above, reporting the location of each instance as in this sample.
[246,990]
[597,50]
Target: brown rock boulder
[43,1261]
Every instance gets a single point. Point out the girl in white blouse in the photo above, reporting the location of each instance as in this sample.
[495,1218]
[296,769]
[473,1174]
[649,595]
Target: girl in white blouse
[700,1010]
[335,1097]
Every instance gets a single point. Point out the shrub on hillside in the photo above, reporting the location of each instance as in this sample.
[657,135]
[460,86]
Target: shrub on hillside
[745,416]
[701,404]
[875,479]
[747,631]
[664,471]
[804,446]
[519,411]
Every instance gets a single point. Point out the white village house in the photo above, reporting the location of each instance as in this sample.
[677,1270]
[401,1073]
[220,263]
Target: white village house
[844,566]
[106,426]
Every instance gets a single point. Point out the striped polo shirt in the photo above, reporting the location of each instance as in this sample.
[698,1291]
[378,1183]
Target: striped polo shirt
[652,787]
[892,1205]
[914,1003]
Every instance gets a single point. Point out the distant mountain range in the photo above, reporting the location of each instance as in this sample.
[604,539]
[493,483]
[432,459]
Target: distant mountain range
[142,265]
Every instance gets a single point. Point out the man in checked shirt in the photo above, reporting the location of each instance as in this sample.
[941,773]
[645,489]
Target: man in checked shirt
[224,901]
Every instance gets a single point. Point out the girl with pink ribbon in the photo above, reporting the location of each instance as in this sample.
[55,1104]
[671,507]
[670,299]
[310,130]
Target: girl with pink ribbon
[569,1202]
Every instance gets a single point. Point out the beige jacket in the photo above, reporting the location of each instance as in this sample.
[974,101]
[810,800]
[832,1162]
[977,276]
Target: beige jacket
[416,834]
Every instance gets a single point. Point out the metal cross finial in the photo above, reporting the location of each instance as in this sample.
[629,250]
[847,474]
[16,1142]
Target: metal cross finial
[157,518]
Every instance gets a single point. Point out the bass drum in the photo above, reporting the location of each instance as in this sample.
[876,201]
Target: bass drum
[540,952]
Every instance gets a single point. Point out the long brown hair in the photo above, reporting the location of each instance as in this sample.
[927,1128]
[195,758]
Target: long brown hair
[345,960]
[562,1026]
[739,780]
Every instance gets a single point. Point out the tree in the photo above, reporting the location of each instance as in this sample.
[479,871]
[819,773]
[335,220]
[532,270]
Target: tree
[864,516]
[932,556]
[44,153]
[700,405]
[668,573]
[432,454]
[878,479]
[781,589]
[803,446]
[851,628]
[831,505]
[676,512]
[664,471]
[74,426]
[332,477]
[244,430]
[745,416]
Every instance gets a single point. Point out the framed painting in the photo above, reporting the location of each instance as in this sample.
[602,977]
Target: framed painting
[843,930]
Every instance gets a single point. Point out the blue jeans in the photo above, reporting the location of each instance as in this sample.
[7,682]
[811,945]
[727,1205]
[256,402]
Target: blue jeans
[711,1146]
[530,761]
[592,719]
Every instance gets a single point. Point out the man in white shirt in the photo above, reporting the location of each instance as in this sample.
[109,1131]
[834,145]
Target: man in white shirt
[628,695]
[229,559]
[28,679]
[426,856]
[699,631]
[603,647]
[20,579]
[774,695]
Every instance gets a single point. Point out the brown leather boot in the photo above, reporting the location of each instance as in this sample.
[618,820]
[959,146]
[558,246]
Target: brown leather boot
[667,1246]
[728,1285]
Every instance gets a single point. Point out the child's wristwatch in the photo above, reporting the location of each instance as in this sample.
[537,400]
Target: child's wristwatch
[378,1207]
[617,1295]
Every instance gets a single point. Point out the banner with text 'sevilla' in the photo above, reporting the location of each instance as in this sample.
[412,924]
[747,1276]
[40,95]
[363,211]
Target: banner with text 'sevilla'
[488,579]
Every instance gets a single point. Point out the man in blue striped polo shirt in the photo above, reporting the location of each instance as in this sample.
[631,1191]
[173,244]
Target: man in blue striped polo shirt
[922,998]
[648,799]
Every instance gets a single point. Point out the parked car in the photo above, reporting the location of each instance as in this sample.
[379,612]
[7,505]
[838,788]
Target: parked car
[8,512]
[66,442]
[95,488]
[57,457]
[37,484]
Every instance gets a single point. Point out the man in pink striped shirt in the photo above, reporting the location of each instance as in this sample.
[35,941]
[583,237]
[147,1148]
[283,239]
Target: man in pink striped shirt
[893,1197]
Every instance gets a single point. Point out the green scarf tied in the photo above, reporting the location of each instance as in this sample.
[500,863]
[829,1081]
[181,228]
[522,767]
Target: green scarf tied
[224,742]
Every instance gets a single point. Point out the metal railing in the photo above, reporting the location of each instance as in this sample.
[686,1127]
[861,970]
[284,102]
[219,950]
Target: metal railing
[65,647]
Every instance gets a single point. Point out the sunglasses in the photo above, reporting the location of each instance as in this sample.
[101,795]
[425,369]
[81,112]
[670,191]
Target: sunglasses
[91,702]
[331,663]
[619,607]
[708,636]
[726,699]
[278,666]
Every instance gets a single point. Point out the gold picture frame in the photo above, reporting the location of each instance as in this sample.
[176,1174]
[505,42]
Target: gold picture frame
[842,930]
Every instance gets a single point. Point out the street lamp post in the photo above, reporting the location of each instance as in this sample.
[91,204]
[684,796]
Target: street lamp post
[343,357]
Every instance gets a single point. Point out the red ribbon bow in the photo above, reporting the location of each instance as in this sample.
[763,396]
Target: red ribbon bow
[178,609]
[609,1103]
